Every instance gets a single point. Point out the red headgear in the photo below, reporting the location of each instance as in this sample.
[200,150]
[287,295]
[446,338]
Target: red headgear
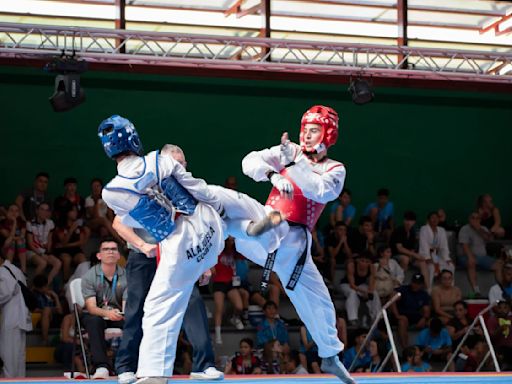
[327,118]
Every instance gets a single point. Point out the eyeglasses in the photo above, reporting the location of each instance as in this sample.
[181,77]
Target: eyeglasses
[113,250]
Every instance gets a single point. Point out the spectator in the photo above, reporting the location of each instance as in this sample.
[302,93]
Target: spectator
[500,330]
[473,238]
[28,200]
[459,325]
[473,352]
[362,239]
[99,216]
[490,215]
[388,274]
[15,320]
[359,285]
[309,350]
[341,327]
[13,229]
[377,351]
[502,290]
[322,262]
[244,362]
[443,221]
[444,297]
[436,342]
[413,307]
[413,360]
[342,209]
[48,304]
[293,365]
[273,362]
[231,182]
[227,283]
[337,249]
[64,350]
[271,328]
[381,212]
[434,248]
[39,240]
[104,291]
[350,354]
[69,239]
[69,198]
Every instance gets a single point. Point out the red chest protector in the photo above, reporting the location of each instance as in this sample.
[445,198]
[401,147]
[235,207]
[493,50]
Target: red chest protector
[300,210]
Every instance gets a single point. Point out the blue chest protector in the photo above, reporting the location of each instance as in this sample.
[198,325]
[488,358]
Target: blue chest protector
[159,199]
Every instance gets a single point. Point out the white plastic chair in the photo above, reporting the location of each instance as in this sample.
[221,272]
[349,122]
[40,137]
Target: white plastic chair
[77,299]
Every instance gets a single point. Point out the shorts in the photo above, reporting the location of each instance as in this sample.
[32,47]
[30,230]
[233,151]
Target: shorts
[222,287]
[484,262]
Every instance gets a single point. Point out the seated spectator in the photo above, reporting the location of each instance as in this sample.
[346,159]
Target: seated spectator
[413,307]
[39,241]
[388,274]
[377,351]
[48,305]
[434,248]
[104,290]
[271,328]
[13,229]
[341,326]
[244,362]
[413,360]
[359,285]
[338,251]
[293,365]
[444,297]
[350,354]
[342,209]
[64,350]
[436,342]
[502,290]
[362,239]
[472,353]
[443,221]
[473,238]
[273,361]
[69,239]
[227,283]
[309,350]
[490,215]
[69,198]
[99,216]
[381,212]
[458,326]
[28,200]
[404,245]
[500,330]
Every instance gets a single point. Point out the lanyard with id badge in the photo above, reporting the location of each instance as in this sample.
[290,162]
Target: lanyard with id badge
[106,299]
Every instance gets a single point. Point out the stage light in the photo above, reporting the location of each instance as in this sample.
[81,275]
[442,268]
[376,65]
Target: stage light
[361,91]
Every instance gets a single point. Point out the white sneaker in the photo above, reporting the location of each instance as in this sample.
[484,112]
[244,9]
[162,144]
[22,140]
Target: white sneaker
[235,320]
[101,373]
[126,378]
[208,374]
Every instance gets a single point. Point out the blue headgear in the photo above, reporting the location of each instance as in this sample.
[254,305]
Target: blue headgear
[118,135]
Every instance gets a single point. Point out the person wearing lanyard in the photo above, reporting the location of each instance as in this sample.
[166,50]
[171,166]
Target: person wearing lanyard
[104,288]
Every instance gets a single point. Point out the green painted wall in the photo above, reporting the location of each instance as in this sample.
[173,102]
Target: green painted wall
[431,148]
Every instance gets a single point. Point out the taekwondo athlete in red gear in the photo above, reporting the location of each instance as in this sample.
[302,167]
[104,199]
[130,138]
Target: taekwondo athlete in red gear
[157,194]
[304,180]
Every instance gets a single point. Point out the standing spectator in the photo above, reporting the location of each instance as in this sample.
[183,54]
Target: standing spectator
[436,342]
[444,297]
[413,360]
[500,330]
[502,290]
[48,305]
[434,248]
[381,212]
[342,209]
[413,307]
[271,328]
[404,244]
[337,249]
[473,238]
[388,274]
[362,239]
[227,283]
[13,229]
[70,197]
[244,362]
[490,215]
[359,285]
[15,321]
[39,240]
[104,290]
[70,238]
[28,200]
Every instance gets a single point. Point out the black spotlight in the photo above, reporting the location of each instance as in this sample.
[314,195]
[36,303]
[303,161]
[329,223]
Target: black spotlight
[68,93]
[361,91]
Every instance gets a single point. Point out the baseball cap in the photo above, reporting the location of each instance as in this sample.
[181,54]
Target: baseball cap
[418,278]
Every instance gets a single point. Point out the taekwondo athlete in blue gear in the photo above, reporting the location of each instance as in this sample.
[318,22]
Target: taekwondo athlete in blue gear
[190,237]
